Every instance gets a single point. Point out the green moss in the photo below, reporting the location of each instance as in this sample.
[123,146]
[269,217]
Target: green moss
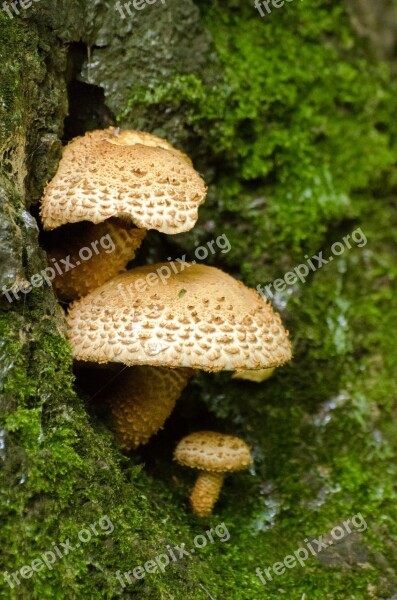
[299,125]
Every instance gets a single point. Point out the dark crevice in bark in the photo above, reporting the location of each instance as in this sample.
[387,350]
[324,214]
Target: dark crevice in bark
[87,107]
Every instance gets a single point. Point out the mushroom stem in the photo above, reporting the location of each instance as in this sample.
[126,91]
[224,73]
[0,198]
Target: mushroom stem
[206,492]
[122,241]
[142,400]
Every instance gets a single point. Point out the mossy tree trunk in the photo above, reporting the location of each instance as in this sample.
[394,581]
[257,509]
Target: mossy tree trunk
[291,121]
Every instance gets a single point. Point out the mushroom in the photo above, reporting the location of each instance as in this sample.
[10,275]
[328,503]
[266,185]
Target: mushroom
[131,175]
[215,455]
[118,175]
[201,319]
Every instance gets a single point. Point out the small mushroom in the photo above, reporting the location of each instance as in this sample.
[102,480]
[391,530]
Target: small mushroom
[116,175]
[215,324]
[257,376]
[215,455]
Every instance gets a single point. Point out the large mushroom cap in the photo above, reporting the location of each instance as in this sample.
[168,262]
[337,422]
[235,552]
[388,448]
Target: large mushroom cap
[127,174]
[200,318]
[214,452]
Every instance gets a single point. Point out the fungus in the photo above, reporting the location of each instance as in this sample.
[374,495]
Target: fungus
[135,320]
[129,321]
[117,175]
[127,174]
[215,455]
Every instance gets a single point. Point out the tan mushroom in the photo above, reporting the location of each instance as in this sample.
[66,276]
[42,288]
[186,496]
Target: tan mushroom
[116,175]
[131,175]
[215,455]
[201,319]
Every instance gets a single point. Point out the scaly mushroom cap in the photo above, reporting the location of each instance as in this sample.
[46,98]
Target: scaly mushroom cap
[202,319]
[130,137]
[213,452]
[140,401]
[89,274]
[130,174]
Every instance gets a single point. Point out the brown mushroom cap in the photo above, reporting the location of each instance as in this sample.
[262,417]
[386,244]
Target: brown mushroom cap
[131,175]
[202,319]
[213,452]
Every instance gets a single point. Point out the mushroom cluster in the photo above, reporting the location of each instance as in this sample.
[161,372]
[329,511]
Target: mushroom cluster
[123,183]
